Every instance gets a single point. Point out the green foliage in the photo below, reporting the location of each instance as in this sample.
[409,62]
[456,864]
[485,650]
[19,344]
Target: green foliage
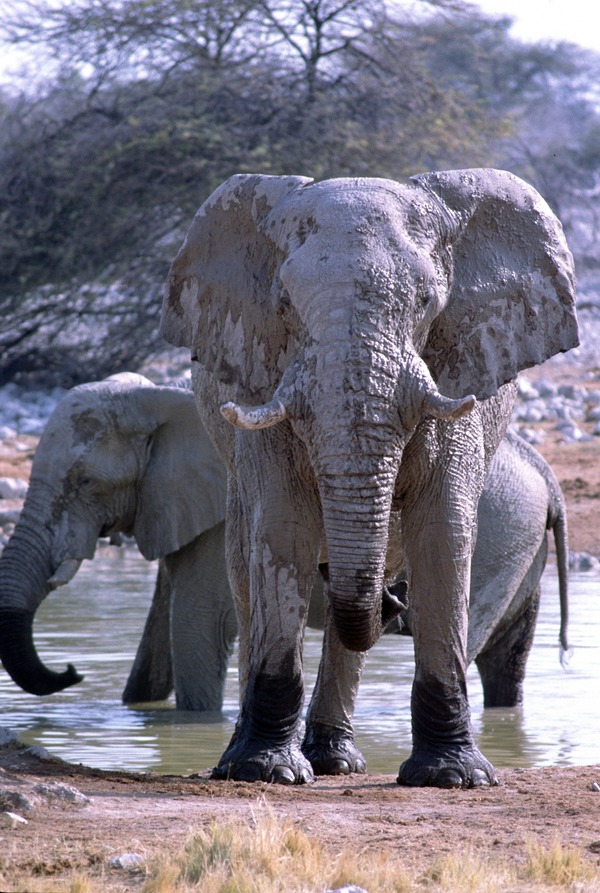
[156,102]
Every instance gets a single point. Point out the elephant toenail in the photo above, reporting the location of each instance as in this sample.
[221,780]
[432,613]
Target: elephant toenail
[282,775]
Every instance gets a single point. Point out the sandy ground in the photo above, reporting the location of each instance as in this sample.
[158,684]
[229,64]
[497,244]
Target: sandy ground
[149,814]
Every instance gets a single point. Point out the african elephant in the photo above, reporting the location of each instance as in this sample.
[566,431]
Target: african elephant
[113,456]
[521,500]
[354,345]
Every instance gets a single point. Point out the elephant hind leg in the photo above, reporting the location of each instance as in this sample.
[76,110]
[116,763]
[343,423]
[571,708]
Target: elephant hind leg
[502,663]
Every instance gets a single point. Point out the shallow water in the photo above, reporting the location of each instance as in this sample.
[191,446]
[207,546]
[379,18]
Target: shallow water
[96,623]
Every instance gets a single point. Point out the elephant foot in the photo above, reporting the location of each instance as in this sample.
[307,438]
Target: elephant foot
[332,751]
[453,768]
[280,765]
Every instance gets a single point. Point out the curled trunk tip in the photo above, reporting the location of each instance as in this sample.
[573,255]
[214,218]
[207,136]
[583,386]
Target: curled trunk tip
[21,660]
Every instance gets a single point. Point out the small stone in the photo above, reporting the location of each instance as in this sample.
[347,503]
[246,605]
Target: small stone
[57,791]
[12,488]
[36,750]
[12,819]
[595,786]
[583,562]
[127,862]
[11,800]
[7,736]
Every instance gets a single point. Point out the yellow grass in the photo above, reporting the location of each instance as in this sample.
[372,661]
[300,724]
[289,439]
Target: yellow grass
[268,855]
[271,856]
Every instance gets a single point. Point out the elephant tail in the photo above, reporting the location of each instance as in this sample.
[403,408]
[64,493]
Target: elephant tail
[557,521]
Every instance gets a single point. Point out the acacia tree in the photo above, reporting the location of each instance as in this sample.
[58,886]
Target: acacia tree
[156,103]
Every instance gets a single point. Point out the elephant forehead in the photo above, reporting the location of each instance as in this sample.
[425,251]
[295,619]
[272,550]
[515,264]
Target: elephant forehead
[334,208]
[349,228]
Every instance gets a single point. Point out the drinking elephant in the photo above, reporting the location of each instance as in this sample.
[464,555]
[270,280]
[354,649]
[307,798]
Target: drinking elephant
[125,456]
[354,346]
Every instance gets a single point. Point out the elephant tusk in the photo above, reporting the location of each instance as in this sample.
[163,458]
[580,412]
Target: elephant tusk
[253,418]
[440,407]
[64,573]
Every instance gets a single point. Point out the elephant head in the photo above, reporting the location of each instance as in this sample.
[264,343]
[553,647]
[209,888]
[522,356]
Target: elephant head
[352,309]
[111,455]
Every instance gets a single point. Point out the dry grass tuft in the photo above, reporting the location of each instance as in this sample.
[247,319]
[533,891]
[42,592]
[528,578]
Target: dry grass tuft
[562,867]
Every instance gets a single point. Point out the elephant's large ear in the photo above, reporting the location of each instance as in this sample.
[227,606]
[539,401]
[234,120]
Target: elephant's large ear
[512,296]
[218,298]
[182,487]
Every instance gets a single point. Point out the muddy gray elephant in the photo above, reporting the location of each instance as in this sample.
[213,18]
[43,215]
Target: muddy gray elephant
[114,456]
[354,346]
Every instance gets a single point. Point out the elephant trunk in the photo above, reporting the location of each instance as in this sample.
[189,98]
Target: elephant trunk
[21,660]
[25,571]
[356,520]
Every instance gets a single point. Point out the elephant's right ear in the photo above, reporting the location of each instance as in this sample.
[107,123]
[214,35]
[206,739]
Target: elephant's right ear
[218,294]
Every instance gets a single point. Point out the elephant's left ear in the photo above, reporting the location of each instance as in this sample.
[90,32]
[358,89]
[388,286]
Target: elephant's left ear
[181,491]
[512,295]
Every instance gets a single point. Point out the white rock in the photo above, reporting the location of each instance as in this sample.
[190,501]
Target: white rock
[57,791]
[127,862]
[31,426]
[526,390]
[583,562]
[546,387]
[12,488]
[12,819]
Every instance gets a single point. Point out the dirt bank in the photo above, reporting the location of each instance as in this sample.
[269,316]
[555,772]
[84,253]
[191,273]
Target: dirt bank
[147,814]
[129,813]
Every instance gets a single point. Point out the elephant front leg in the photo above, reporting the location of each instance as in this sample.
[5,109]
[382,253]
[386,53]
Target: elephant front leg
[444,751]
[273,545]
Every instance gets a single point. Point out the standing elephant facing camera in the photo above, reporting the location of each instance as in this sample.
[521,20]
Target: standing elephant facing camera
[355,344]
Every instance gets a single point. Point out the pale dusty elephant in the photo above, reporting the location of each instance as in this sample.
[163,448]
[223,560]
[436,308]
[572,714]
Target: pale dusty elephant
[125,456]
[355,344]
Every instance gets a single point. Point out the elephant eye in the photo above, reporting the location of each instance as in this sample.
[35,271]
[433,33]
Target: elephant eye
[427,294]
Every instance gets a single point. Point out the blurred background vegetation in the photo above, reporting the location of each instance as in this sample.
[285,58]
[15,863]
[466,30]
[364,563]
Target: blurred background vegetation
[136,110]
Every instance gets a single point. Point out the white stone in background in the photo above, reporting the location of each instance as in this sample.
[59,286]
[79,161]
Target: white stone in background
[12,820]
[54,790]
[526,390]
[546,387]
[127,862]
[531,412]
[12,488]
[532,435]
[33,427]
[9,516]
[571,433]
[7,433]
[583,561]
[593,415]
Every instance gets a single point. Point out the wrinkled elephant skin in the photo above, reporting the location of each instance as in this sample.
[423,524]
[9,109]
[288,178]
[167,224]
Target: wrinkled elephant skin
[355,344]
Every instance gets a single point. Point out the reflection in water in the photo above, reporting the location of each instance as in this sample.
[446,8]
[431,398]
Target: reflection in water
[96,623]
